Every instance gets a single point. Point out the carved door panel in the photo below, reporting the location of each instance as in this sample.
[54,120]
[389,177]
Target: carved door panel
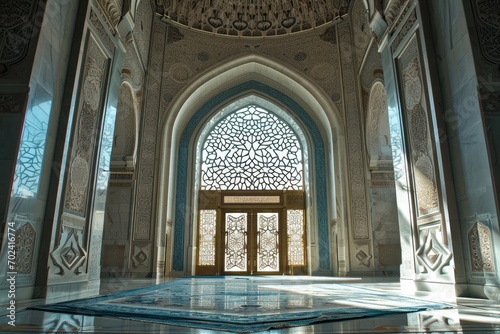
[252,242]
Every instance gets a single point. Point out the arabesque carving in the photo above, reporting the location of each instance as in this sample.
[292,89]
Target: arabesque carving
[355,158]
[111,12]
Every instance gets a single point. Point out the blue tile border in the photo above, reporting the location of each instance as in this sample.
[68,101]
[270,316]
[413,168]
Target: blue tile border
[319,157]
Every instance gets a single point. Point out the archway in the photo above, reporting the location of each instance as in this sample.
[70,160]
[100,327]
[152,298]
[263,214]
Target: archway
[242,77]
[252,170]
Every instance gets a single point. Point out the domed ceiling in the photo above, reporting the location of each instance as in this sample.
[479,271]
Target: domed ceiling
[252,18]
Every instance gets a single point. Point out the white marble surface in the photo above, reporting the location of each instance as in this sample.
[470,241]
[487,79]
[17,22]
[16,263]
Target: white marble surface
[470,316]
[47,84]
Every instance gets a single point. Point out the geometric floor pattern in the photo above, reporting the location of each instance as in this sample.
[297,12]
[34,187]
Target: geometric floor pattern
[246,304]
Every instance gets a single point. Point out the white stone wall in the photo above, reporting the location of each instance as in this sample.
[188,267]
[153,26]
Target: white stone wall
[116,232]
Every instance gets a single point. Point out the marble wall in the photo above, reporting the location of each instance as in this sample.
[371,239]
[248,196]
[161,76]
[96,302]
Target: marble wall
[34,165]
[75,252]
[384,219]
[430,237]
[471,119]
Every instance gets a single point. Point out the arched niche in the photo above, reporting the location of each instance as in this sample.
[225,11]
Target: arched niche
[243,76]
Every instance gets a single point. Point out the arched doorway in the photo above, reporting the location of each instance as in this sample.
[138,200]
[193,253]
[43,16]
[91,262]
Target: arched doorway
[177,198]
[252,175]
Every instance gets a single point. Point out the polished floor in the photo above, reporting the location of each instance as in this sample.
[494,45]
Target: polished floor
[469,316]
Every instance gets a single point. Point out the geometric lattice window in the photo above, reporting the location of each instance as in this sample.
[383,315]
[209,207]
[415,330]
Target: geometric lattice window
[32,150]
[252,149]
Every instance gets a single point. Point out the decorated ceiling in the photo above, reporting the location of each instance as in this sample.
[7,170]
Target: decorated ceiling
[252,18]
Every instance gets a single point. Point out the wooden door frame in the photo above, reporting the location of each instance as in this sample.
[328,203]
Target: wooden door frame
[256,201]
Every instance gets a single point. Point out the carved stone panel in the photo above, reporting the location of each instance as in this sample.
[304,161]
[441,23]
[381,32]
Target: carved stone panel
[354,140]
[432,254]
[86,135]
[480,243]
[143,211]
[17,29]
[418,129]
[101,30]
[111,11]
[487,17]
[408,25]
[70,256]
[141,255]
[25,239]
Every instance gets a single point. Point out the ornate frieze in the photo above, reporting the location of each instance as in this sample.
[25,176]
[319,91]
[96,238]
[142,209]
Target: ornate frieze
[408,25]
[190,53]
[392,10]
[101,30]
[252,19]
[111,11]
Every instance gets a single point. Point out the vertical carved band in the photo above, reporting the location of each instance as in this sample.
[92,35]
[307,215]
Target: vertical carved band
[354,141]
[143,216]
[418,128]
[86,137]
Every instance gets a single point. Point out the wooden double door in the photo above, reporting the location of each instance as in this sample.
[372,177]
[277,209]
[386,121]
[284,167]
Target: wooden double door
[253,242]
[251,233]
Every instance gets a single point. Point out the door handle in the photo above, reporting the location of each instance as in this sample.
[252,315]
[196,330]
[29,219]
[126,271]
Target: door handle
[258,242]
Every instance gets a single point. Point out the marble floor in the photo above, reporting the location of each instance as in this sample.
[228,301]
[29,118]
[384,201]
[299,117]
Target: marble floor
[469,316]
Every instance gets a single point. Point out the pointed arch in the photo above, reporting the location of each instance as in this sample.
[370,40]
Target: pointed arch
[216,87]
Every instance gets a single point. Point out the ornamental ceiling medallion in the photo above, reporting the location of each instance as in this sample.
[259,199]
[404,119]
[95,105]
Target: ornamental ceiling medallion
[252,18]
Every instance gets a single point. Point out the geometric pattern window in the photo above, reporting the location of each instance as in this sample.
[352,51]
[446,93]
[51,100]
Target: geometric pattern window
[32,150]
[252,149]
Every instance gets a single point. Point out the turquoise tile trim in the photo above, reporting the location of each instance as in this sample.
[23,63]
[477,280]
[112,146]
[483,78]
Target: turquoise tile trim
[319,157]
